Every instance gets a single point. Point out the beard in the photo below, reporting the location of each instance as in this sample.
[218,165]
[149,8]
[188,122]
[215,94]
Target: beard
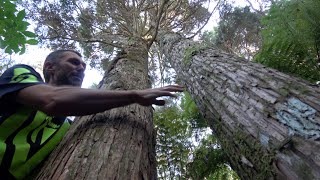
[71,79]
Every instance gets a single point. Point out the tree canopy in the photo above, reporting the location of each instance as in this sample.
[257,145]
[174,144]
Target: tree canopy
[102,26]
[238,31]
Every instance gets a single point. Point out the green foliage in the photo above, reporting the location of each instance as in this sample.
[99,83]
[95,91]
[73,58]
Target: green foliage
[192,113]
[210,162]
[173,145]
[210,37]
[179,156]
[291,38]
[13,29]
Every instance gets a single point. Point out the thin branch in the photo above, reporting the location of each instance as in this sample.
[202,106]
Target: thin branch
[117,45]
[256,10]
[198,31]
[158,22]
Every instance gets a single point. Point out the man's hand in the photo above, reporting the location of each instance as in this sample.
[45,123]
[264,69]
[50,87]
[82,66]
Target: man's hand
[148,97]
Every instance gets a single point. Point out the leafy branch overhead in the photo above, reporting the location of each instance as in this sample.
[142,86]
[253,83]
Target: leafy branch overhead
[13,29]
[100,26]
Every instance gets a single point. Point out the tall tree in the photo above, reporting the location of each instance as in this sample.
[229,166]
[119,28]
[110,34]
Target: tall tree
[117,144]
[266,121]
[238,31]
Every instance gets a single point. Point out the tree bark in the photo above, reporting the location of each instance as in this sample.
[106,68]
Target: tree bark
[268,123]
[116,144]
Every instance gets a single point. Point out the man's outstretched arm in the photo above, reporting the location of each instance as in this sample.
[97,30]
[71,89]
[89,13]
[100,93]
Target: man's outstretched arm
[74,101]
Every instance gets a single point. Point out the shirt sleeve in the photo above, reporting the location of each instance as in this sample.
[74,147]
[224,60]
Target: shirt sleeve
[16,78]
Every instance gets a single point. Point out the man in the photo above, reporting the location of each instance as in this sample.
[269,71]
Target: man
[32,112]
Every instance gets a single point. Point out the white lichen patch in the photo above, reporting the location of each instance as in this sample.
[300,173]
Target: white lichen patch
[264,139]
[299,117]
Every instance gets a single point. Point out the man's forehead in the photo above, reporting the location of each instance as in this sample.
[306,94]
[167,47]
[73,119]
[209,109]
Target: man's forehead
[68,54]
[71,55]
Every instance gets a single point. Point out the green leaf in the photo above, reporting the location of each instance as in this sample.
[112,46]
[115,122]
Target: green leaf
[32,42]
[22,50]
[13,28]
[3,44]
[19,39]
[9,6]
[8,50]
[29,34]
[16,48]
[23,25]
[21,15]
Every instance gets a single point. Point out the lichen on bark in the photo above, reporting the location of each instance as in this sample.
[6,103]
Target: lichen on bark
[191,51]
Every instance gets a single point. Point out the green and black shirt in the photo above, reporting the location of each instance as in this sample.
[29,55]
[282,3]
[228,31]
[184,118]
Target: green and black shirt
[27,136]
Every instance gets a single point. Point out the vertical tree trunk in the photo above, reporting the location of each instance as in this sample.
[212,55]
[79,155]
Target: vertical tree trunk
[116,144]
[268,123]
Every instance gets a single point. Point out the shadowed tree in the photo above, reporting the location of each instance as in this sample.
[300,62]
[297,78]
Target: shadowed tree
[116,144]
[267,122]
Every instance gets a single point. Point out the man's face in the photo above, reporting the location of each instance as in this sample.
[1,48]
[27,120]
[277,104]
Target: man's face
[69,70]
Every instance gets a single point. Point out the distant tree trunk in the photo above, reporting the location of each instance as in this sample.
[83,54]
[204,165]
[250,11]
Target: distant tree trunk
[268,123]
[116,144]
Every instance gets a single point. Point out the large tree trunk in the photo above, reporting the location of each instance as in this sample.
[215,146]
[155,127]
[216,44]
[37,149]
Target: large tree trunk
[268,122]
[116,144]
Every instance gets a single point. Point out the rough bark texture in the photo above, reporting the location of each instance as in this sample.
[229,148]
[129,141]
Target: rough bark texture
[116,144]
[268,122]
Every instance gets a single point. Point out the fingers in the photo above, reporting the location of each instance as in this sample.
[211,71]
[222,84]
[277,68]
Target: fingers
[159,102]
[166,90]
[172,88]
[161,93]
[148,96]
[175,87]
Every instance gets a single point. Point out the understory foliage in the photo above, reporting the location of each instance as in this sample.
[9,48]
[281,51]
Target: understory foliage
[291,38]
[209,162]
[13,28]
[184,147]
[173,146]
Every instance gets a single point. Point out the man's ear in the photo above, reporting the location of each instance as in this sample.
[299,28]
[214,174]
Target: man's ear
[48,71]
[49,67]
